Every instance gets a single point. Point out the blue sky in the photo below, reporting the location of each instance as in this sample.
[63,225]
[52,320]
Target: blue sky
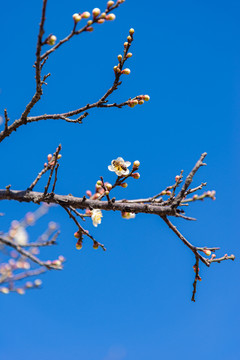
[132,301]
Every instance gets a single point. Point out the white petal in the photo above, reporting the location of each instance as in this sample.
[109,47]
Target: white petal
[111,168]
[119,173]
[127,163]
[125,172]
[120,159]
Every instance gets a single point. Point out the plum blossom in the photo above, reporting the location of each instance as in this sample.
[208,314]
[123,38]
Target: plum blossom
[119,166]
[20,235]
[96,217]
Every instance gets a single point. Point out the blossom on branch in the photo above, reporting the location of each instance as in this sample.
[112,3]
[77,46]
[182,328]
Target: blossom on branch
[96,217]
[119,166]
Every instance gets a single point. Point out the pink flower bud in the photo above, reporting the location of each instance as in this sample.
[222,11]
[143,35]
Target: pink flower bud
[76,17]
[146,97]
[110,3]
[195,197]
[129,38]
[96,12]
[131,31]
[124,185]
[207,252]
[89,29]
[136,175]
[126,71]
[79,245]
[111,17]
[77,234]
[107,192]
[140,102]
[29,285]
[168,192]
[85,15]
[89,193]
[125,44]
[100,21]
[20,291]
[96,196]
[177,178]
[119,58]
[49,157]
[129,55]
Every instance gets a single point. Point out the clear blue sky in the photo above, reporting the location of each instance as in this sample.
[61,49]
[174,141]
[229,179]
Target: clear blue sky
[133,301]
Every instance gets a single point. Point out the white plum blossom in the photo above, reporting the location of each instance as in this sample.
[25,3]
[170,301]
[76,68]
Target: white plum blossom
[20,235]
[128,215]
[96,217]
[119,166]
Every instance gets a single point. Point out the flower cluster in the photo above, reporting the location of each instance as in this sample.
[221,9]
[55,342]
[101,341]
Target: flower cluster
[138,100]
[20,264]
[118,69]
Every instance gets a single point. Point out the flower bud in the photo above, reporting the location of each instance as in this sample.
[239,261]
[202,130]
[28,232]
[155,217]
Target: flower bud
[76,17]
[124,185]
[177,178]
[107,192]
[99,182]
[163,192]
[96,196]
[59,156]
[119,58]
[140,102]
[136,164]
[108,186]
[77,234]
[111,17]
[136,175]
[28,285]
[207,252]
[129,38]
[110,3]
[79,245]
[146,97]
[85,15]
[37,282]
[126,71]
[4,290]
[52,40]
[168,192]
[129,55]
[125,44]
[100,21]
[49,157]
[89,22]
[195,197]
[131,31]
[20,291]
[95,245]
[96,12]
[89,29]
[89,193]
